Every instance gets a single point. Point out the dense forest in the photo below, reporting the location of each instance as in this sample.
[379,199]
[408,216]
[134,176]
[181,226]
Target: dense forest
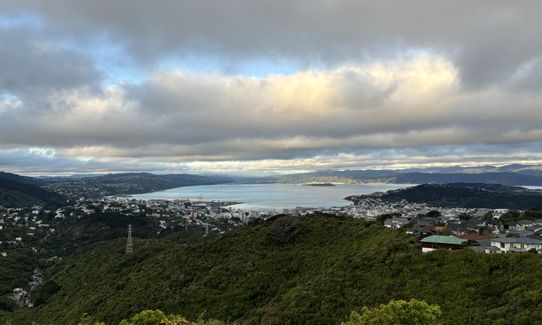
[310,270]
[14,193]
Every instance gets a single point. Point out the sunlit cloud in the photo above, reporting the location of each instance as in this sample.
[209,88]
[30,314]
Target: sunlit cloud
[286,86]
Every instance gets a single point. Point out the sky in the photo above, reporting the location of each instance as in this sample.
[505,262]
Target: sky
[264,87]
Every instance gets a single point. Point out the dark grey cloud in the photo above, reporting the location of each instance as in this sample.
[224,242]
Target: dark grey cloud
[488,40]
[32,61]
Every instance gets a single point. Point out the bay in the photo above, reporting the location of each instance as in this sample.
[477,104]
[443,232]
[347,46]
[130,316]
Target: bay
[271,196]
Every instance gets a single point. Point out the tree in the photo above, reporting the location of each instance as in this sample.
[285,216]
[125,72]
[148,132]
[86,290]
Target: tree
[157,317]
[284,229]
[87,319]
[413,312]
[146,317]
[45,291]
[434,214]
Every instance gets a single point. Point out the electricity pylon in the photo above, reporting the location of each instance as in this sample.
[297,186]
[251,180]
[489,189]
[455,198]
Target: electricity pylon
[129,244]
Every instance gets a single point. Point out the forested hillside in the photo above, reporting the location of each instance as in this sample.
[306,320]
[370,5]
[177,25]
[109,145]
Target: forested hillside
[15,194]
[313,270]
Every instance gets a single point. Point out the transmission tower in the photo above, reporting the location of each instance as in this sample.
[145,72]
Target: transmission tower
[129,244]
[206,230]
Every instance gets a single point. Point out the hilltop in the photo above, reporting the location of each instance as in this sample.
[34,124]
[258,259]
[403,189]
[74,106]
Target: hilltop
[310,270]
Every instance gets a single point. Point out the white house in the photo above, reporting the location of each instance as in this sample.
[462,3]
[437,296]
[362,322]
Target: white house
[395,222]
[517,244]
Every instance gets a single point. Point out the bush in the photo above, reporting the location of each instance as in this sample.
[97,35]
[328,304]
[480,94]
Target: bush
[284,229]
[146,317]
[157,317]
[44,292]
[413,312]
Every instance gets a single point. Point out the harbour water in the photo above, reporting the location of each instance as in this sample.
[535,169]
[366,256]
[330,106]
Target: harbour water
[272,196]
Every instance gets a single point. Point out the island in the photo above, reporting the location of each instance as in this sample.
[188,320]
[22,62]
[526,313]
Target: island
[319,184]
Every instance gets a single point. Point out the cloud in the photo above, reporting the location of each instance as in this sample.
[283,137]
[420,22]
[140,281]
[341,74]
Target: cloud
[384,81]
[179,116]
[180,109]
[33,61]
[486,40]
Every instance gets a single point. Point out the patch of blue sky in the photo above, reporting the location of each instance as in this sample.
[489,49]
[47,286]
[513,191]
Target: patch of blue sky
[21,20]
[111,60]
[119,68]
[7,96]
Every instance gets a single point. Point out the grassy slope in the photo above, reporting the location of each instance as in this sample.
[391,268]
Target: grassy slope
[332,267]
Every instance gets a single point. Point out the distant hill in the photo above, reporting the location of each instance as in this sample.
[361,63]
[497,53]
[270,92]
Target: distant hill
[14,194]
[96,186]
[311,270]
[151,182]
[127,183]
[19,178]
[464,195]
[492,178]
[507,175]
[338,176]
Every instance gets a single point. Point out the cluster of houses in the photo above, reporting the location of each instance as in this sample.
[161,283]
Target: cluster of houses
[490,245]
[448,228]
[25,227]
[489,236]
[437,228]
[22,226]
[455,228]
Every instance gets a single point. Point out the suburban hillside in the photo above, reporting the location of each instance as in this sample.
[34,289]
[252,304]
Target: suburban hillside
[288,270]
[126,183]
[463,195]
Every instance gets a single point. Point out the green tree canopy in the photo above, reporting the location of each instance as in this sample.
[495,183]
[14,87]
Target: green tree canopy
[146,317]
[413,312]
[157,317]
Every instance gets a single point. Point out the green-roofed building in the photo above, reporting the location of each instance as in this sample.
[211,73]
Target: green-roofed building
[442,242]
